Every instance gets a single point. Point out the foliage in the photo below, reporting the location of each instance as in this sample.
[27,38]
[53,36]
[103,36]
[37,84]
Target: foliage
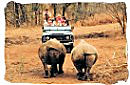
[33,14]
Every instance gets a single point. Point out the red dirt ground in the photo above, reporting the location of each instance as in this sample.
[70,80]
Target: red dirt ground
[23,64]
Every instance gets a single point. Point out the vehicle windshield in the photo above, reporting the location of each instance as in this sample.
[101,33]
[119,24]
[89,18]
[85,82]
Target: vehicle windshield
[67,28]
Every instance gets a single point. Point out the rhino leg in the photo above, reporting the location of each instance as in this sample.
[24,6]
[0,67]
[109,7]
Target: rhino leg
[46,74]
[80,73]
[60,69]
[54,70]
[79,67]
[61,61]
[87,74]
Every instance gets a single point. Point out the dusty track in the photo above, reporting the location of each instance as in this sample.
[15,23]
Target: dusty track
[23,64]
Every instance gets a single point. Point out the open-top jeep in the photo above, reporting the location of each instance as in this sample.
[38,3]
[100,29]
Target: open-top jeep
[62,33]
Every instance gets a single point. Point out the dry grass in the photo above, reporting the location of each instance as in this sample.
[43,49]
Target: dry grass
[97,19]
[29,31]
[110,67]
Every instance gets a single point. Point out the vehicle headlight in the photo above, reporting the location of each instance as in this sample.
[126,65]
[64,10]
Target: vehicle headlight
[47,37]
[67,37]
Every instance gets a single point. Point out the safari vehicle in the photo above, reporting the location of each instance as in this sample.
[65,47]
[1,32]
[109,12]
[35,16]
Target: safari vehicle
[62,33]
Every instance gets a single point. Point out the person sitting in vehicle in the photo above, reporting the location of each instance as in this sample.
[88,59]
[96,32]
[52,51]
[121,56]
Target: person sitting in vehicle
[58,20]
[50,22]
[54,23]
[66,22]
[45,23]
[63,21]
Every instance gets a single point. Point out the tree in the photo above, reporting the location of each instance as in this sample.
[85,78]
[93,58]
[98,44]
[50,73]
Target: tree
[54,7]
[35,9]
[78,11]
[65,6]
[114,10]
[17,15]
[23,15]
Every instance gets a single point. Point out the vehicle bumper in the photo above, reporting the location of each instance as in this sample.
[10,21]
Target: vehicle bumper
[68,46]
[68,43]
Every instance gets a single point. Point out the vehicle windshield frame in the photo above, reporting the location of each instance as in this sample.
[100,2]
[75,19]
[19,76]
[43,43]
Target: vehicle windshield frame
[57,28]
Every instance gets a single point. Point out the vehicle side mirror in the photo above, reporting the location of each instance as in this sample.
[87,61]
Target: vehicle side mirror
[43,28]
[72,28]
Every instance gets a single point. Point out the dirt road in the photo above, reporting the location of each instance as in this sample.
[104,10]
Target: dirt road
[23,64]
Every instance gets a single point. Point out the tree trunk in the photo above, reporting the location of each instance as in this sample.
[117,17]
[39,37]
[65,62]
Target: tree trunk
[23,16]
[65,6]
[124,25]
[54,7]
[39,18]
[17,15]
[36,18]
[63,11]
[124,20]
